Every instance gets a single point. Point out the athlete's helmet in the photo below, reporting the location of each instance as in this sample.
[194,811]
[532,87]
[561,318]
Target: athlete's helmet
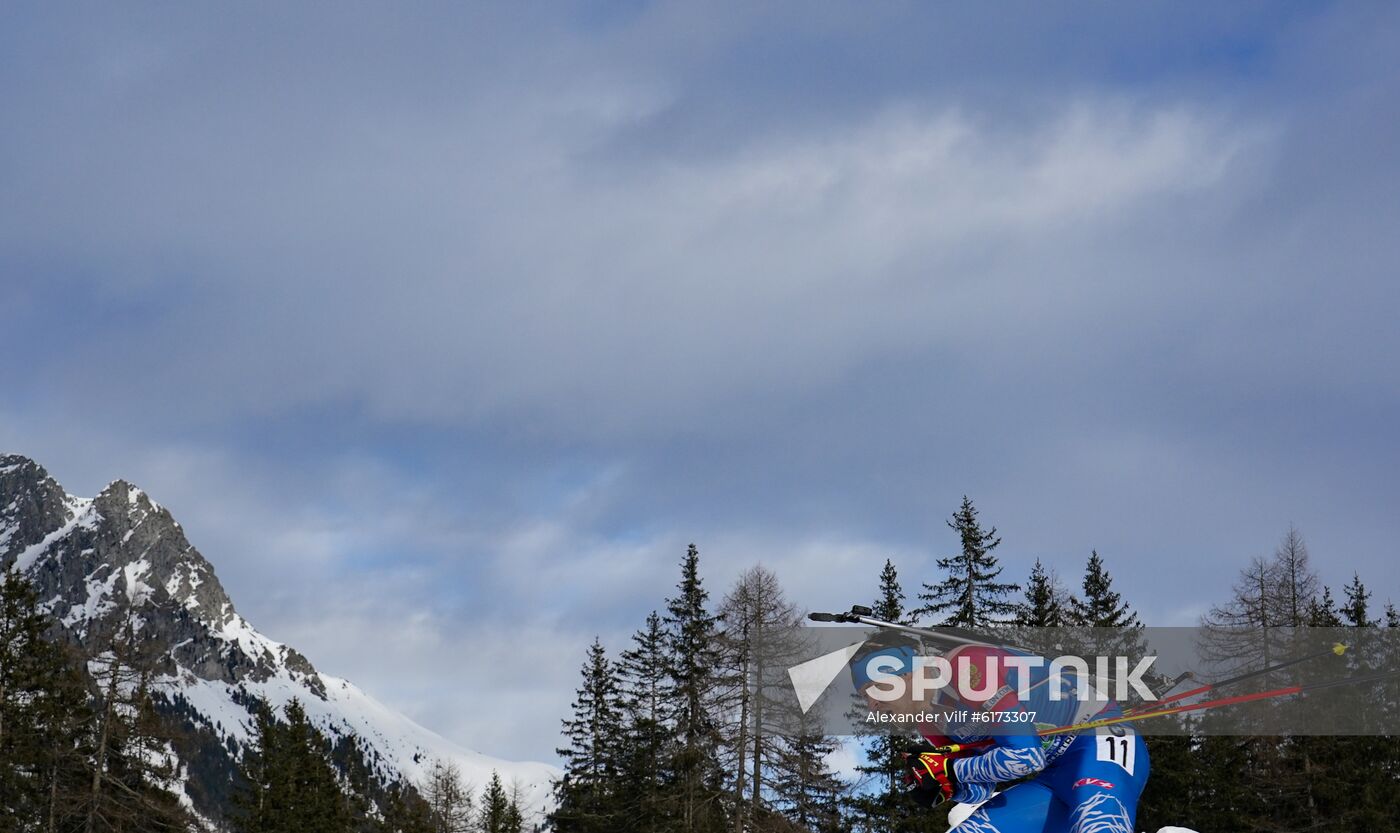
[899,648]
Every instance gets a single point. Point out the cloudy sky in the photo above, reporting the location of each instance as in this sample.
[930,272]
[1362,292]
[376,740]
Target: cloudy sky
[444,330]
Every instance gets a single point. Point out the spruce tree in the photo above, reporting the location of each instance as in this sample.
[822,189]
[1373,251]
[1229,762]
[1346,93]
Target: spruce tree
[287,783]
[692,649]
[315,790]
[1356,612]
[969,595]
[889,602]
[647,722]
[588,791]
[1101,606]
[805,789]
[1043,606]
[257,772]
[1322,611]
[500,810]
[886,806]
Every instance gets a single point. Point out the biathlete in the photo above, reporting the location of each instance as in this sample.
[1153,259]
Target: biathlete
[1076,783]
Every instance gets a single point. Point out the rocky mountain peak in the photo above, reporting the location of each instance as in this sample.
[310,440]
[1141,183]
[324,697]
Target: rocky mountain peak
[32,505]
[122,557]
[140,537]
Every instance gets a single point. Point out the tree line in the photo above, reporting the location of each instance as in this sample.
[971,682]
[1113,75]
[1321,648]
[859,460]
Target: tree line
[668,733]
[665,735]
[1290,783]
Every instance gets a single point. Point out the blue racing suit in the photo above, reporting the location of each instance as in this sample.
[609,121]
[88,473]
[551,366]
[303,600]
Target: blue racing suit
[1087,783]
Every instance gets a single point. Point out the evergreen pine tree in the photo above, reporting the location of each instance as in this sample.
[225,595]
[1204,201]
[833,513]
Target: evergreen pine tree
[22,661]
[696,792]
[647,726]
[969,595]
[588,791]
[257,772]
[315,790]
[1043,606]
[886,806]
[1356,612]
[498,814]
[1322,611]
[1108,625]
[805,789]
[288,784]
[1101,606]
[889,603]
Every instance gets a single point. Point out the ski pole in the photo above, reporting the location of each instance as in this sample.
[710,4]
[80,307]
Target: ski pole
[954,748]
[1337,649]
[1227,701]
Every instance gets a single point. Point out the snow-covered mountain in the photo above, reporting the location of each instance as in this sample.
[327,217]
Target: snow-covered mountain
[98,561]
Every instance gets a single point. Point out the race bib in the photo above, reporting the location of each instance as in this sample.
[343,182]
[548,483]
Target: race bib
[1117,745]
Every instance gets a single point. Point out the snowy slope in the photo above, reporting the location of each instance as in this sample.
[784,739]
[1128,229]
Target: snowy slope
[405,749]
[97,561]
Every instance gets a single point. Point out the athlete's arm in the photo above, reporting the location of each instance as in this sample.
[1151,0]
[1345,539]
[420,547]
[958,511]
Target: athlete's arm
[1011,757]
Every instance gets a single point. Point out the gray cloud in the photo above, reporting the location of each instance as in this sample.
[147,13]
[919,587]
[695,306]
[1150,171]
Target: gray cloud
[495,312]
